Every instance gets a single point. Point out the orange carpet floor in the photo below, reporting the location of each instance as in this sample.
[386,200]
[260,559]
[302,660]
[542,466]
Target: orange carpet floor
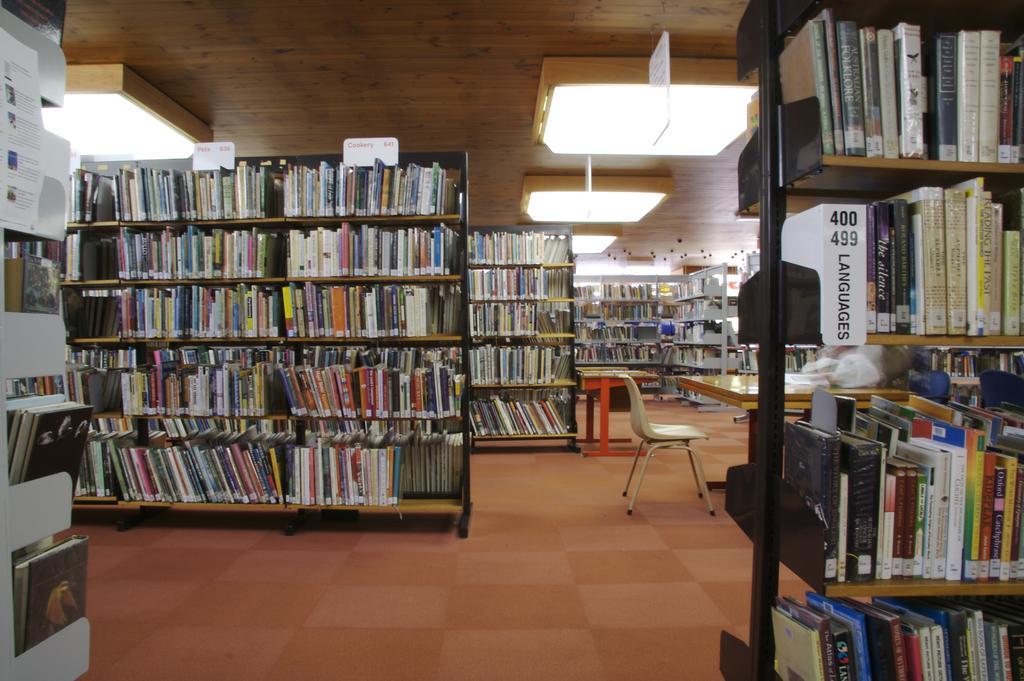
[555,581]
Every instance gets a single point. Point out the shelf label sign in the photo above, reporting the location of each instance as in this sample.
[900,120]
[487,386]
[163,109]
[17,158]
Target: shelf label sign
[364,151]
[660,76]
[830,240]
[213,156]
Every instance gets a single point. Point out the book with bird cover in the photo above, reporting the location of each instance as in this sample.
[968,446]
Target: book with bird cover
[49,591]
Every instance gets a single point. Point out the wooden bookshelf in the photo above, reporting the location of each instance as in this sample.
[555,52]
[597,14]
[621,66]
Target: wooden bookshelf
[923,587]
[950,341]
[557,339]
[459,423]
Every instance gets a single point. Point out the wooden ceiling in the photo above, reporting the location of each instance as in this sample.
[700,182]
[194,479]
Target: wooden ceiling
[299,76]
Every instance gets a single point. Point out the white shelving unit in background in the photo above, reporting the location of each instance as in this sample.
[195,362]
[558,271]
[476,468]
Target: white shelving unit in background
[33,345]
[708,296]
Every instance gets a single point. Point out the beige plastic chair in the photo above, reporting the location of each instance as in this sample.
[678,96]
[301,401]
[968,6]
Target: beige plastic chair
[660,436]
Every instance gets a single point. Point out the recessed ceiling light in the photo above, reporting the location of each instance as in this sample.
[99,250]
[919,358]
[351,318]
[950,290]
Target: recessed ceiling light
[626,119]
[112,113]
[551,198]
[110,125]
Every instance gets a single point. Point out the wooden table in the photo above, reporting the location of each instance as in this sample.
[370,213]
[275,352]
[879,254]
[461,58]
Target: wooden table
[597,383]
[741,391]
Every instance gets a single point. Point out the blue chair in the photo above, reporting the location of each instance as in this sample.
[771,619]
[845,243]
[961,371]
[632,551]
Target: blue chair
[1001,386]
[930,384]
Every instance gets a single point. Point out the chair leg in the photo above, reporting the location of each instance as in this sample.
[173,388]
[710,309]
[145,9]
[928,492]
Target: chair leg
[702,482]
[700,491]
[632,468]
[640,481]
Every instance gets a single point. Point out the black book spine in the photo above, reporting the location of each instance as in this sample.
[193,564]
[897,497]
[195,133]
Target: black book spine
[942,102]
[901,257]
[880,649]
[883,269]
[845,667]
[959,655]
[851,87]
[1016,636]
[1018,108]
[862,467]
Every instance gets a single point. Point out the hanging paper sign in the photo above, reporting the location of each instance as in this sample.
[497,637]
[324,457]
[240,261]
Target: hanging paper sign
[660,76]
[364,151]
[830,240]
[213,155]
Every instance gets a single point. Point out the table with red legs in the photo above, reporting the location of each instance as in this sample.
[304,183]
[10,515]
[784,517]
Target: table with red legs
[597,384]
[741,392]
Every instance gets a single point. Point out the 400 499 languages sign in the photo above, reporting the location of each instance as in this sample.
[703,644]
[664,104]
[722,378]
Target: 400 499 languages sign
[830,239]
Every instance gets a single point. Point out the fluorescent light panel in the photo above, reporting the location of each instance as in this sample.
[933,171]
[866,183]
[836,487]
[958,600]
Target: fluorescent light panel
[595,206]
[591,243]
[112,126]
[626,119]
[563,198]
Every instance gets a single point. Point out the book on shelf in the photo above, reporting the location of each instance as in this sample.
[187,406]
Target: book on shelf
[430,392]
[932,492]
[945,262]
[896,92]
[45,440]
[226,390]
[31,284]
[49,591]
[487,247]
[90,257]
[529,364]
[518,319]
[522,412]
[256,191]
[368,250]
[343,476]
[621,354]
[198,253]
[515,283]
[898,638]
[962,362]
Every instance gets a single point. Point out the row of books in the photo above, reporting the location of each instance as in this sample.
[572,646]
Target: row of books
[518,248]
[343,476]
[227,390]
[959,639]
[194,253]
[878,98]
[510,365]
[969,363]
[624,354]
[90,257]
[44,248]
[518,283]
[623,312]
[522,412]
[365,250]
[261,311]
[158,195]
[945,261]
[249,473]
[191,473]
[34,385]
[331,189]
[795,359]
[925,491]
[318,311]
[429,392]
[518,319]
[638,333]
[251,191]
[638,292]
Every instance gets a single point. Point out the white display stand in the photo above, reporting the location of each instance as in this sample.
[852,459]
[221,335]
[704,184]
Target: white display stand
[33,345]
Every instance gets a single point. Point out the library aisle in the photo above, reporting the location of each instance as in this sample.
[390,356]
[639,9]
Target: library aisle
[556,581]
